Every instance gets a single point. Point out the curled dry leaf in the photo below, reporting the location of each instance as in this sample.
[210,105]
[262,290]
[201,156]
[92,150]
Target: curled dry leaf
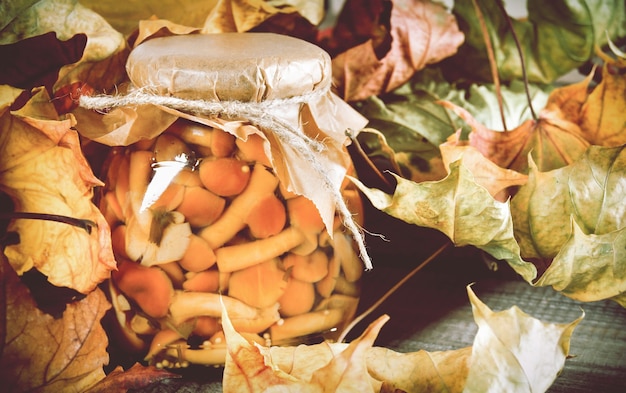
[102,62]
[44,171]
[124,16]
[603,111]
[504,357]
[240,16]
[416,126]
[153,28]
[589,267]
[422,33]
[589,193]
[249,368]
[66,18]
[420,371]
[591,190]
[45,354]
[136,377]
[495,179]
[553,141]
[456,206]
[36,61]
[513,352]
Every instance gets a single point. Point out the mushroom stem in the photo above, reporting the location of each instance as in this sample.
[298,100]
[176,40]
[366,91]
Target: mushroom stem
[240,256]
[232,220]
[304,324]
[186,305]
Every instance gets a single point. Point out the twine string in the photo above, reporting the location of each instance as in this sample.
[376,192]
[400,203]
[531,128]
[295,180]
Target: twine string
[258,114]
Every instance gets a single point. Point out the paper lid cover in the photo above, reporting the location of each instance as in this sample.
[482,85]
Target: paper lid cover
[249,67]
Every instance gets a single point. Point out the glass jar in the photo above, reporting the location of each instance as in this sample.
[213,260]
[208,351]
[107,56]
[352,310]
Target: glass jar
[230,184]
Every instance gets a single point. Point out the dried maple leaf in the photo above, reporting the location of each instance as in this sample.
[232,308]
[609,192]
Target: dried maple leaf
[36,61]
[553,140]
[244,15]
[100,65]
[590,191]
[422,33]
[136,377]
[603,112]
[43,170]
[45,354]
[514,352]
[456,206]
[504,357]
[495,179]
[99,57]
[125,16]
[249,368]
[589,267]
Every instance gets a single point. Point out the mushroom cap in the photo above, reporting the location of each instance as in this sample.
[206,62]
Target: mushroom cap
[248,67]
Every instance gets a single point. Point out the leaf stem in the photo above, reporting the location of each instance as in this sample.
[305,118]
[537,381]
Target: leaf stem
[87,225]
[492,61]
[521,57]
[367,161]
[374,306]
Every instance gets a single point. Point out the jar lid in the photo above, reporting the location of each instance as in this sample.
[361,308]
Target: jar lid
[248,67]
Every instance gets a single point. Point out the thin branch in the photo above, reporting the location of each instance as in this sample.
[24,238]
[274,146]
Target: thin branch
[374,306]
[521,57]
[492,61]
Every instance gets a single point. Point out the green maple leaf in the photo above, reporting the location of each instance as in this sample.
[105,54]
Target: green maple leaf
[557,37]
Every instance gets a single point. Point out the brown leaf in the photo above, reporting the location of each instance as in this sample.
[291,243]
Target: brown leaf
[567,101]
[553,141]
[136,377]
[494,178]
[36,61]
[604,110]
[358,22]
[240,16]
[422,33]
[43,170]
[98,58]
[45,354]
[154,28]
[124,16]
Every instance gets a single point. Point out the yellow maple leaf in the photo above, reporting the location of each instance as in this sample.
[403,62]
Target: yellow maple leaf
[44,171]
[603,121]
